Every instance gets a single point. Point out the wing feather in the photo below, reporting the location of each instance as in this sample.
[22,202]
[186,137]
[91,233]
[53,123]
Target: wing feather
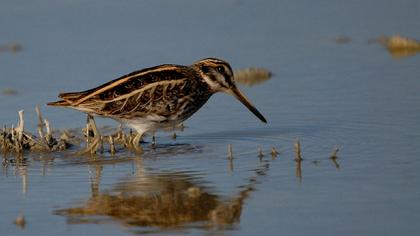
[132,81]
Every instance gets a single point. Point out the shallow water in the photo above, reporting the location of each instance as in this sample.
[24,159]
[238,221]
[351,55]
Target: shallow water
[326,92]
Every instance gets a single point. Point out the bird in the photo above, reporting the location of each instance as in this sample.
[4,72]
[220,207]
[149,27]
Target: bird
[159,97]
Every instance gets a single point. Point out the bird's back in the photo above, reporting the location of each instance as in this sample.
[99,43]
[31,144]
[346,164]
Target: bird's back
[166,91]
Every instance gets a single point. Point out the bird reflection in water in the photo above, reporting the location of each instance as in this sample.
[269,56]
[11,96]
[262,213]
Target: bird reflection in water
[172,200]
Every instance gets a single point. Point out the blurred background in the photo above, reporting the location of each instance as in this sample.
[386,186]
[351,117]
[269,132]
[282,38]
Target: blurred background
[345,74]
[76,45]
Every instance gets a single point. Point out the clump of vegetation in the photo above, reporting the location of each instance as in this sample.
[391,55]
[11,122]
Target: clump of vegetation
[11,47]
[399,46]
[9,92]
[252,76]
[17,140]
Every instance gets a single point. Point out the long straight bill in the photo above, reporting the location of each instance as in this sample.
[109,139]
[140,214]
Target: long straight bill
[244,100]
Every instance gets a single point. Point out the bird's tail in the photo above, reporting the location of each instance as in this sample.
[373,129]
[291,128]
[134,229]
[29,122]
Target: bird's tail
[60,103]
[68,99]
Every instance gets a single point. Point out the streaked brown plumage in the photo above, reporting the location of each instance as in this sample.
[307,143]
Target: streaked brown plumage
[158,97]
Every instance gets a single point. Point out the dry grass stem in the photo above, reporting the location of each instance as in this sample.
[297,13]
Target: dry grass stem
[19,130]
[48,136]
[40,123]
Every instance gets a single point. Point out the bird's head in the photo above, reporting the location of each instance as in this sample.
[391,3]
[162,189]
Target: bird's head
[218,75]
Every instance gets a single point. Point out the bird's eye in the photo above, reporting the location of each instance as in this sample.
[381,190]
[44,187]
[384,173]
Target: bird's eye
[221,69]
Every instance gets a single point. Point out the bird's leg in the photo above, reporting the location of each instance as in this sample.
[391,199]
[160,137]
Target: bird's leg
[137,139]
[96,143]
[136,143]
[92,124]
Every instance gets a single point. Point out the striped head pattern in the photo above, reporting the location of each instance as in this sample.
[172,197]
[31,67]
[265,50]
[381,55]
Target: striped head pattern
[218,75]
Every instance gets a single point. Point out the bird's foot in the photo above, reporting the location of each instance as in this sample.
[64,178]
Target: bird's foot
[135,144]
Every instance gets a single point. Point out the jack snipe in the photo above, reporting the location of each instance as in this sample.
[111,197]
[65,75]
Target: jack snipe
[158,97]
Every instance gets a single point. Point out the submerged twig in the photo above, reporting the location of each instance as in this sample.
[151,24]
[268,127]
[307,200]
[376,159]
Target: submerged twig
[334,157]
[298,159]
[334,153]
[260,153]
[20,221]
[298,170]
[111,145]
[274,152]
[298,154]
[230,153]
